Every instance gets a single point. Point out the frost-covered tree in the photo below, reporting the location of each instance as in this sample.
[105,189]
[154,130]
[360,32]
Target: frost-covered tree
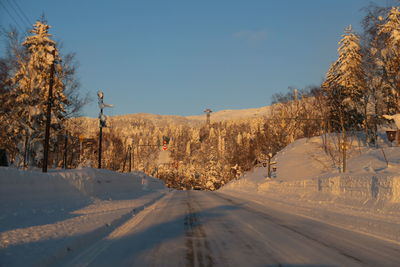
[376,95]
[345,87]
[389,32]
[349,68]
[345,84]
[24,71]
[30,91]
[14,53]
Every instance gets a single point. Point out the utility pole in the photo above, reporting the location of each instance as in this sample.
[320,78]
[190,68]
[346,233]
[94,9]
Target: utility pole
[208,114]
[102,122]
[130,158]
[81,138]
[126,158]
[48,115]
[100,146]
[133,157]
[269,156]
[65,150]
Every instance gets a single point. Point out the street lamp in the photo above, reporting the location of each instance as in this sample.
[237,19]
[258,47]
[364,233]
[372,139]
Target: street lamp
[102,121]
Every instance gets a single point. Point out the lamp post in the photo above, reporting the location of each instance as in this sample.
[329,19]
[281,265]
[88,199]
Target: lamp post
[102,122]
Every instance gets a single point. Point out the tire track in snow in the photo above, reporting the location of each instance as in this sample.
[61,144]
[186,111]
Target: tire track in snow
[240,238]
[198,249]
[294,230]
[89,255]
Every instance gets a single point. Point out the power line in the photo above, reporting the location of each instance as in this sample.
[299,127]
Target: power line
[21,19]
[12,17]
[22,12]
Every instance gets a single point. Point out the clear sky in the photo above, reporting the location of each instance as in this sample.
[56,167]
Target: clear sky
[180,57]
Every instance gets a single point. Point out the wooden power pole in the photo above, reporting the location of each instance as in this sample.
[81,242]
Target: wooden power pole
[48,115]
[65,150]
[130,158]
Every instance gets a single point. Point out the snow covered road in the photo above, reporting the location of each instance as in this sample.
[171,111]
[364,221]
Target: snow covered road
[199,228]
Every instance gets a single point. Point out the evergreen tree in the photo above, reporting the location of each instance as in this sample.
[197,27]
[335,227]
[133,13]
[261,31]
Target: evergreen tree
[345,89]
[389,32]
[345,84]
[30,92]
[350,73]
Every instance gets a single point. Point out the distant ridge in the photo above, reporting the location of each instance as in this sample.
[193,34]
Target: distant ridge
[128,120]
[235,114]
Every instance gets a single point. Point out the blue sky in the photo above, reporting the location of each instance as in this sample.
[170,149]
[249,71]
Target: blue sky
[180,57]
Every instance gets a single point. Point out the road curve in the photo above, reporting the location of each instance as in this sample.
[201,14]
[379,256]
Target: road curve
[201,228]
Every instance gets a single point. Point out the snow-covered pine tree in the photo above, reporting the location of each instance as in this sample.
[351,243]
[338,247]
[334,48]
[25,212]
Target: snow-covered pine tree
[345,83]
[30,91]
[345,87]
[389,31]
[350,70]
[8,65]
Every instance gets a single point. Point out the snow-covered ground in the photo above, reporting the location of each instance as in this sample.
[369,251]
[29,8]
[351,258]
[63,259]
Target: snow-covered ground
[203,228]
[43,217]
[366,198]
[307,213]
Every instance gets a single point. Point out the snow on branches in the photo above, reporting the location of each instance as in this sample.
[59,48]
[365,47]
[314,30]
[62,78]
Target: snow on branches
[29,94]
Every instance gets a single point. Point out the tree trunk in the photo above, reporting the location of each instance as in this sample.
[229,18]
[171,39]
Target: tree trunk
[344,140]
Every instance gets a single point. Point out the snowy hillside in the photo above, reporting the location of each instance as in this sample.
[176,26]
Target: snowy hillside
[366,198]
[235,114]
[91,124]
[306,159]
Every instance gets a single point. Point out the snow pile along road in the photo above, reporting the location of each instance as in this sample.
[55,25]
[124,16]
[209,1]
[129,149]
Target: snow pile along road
[366,198]
[43,217]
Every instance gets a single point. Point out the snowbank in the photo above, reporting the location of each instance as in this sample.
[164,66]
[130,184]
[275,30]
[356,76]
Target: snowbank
[46,216]
[363,187]
[365,198]
[32,197]
[304,168]
[77,183]
[106,184]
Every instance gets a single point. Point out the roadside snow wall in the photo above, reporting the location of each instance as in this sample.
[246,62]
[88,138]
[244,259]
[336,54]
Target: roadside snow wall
[105,184]
[31,197]
[379,188]
[74,184]
[30,186]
